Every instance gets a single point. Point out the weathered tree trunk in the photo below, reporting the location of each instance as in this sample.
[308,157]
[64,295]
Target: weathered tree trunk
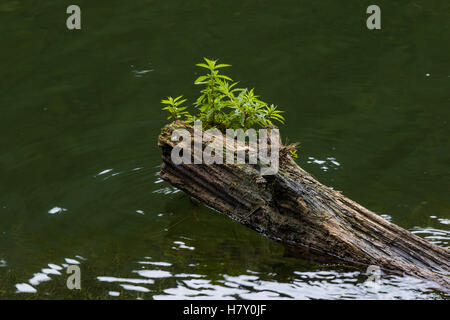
[293,207]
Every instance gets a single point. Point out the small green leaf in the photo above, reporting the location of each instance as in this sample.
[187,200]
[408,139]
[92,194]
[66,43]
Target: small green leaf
[202,65]
[224,77]
[200,79]
[223,65]
[180,102]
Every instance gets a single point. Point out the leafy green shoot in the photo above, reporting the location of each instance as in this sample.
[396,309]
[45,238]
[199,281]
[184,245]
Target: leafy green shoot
[173,107]
[222,105]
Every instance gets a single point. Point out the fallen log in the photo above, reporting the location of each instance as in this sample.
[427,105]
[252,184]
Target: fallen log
[294,208]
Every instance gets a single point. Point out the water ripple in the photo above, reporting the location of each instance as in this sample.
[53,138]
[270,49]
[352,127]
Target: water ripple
[436,236]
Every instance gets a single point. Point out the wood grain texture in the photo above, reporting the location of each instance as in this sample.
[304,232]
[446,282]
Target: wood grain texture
[293,207]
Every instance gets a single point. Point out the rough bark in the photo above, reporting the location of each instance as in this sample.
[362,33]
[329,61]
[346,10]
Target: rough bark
[293,207]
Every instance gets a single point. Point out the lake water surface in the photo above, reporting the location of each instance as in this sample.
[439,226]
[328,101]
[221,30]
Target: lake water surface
[80,115]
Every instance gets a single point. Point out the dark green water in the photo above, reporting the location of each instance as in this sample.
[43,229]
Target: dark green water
[80,116]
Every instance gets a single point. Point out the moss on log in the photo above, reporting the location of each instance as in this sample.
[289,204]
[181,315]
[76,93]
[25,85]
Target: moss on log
[294,208]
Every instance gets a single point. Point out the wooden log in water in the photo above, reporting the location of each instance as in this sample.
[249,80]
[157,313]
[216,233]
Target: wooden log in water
[294,208]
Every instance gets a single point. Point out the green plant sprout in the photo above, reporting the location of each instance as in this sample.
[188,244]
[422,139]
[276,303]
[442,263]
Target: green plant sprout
[221,105]
[172,106]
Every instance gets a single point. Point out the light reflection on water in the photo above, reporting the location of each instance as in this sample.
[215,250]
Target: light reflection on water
[148,278]
[325,284]
[433,235]
[326,164]
[152,278]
